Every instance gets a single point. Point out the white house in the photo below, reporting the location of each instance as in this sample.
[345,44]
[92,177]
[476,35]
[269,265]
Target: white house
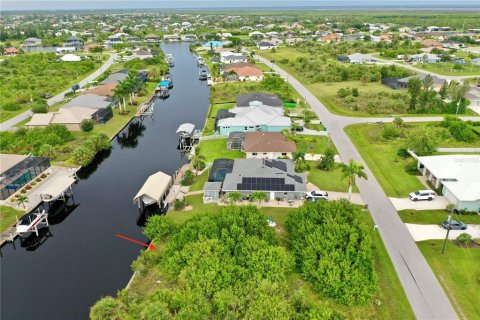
[358,58]
[458,177]
[425,58]
[264,45]
[70,58]
[228,57]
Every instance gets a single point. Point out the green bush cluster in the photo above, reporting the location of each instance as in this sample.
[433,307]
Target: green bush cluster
[459,129]
[24,141]
[84,154]
[333,250]
[225,265]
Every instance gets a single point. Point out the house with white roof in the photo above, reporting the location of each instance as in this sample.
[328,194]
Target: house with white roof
[359,58]
[255,117]
[457,176]
[424,58]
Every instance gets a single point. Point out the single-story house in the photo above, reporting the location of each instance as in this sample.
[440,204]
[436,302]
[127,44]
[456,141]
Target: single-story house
[245,71]
[71,58]
[359,58]
[457,176]
[32,42]
[133,40]
[168,37]
[476,61]
[116,77]
[188,37]
[12,51]
[228,57]
[269,145]
[142,54]
[152,38]
[474,96]
[424,58]
[73,42]
[91,101]
[277,178]
[437,82]
[257,117]
[106,90]
[70,118]
[271,100]
[265,45]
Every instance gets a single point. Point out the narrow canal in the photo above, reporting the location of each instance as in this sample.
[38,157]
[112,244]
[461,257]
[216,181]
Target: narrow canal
[83,260]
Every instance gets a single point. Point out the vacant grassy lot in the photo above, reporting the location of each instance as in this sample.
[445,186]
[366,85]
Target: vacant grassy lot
[27,77]
[8,216]
[313,144]
[434,217]
[458,271]
[381,156]
[217,148]
[447,68]
[328,180]
[390,301]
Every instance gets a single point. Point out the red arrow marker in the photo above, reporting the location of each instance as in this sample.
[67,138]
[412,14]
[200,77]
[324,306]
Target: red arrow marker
[149,246]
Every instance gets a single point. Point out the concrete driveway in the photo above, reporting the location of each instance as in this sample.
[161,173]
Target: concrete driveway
[421,232]
[333,195]
[404,203]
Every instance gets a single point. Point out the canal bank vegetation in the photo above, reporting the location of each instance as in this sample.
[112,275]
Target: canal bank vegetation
[28,78]
[226,262]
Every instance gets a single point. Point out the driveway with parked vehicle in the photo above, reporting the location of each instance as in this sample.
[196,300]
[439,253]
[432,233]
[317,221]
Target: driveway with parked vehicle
[421,232]
[439,202]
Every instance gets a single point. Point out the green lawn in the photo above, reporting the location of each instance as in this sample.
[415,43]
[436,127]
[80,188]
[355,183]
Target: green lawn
[328,180]
[209,128]
[8,216]
[319,144]
[390,300]
[446,68]
[382,159]
[263,67]
[199,182]
[217,148]
[381,156]
[434,217]
[458,271]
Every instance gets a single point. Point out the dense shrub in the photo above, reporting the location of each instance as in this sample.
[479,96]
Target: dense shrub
[224,265]
[188,178]
[40,107]
[83,155]
[390,132]
[87,125]
[333,250]
[11,106]
[464,238]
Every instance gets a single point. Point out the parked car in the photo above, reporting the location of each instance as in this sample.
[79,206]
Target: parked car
[317,195]
[422,195]
[454,225]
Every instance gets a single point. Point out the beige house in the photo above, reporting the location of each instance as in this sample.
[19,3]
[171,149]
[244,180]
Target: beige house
[268,145]
[70,118]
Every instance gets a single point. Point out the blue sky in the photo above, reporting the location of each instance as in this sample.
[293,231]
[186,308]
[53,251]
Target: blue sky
[124,4]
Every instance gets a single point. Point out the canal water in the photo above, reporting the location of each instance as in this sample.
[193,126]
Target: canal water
[82,259]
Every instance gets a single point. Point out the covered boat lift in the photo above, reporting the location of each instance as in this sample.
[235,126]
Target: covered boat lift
[56,188]
[154,190]
[187,136]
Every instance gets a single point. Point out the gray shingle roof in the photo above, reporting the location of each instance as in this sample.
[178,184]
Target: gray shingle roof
[266,99]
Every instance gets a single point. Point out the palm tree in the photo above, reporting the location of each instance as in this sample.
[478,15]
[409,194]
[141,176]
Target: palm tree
[298,156]
[351,171]
[198,160]
[22,199]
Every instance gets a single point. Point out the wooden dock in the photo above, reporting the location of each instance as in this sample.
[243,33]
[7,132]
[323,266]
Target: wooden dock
[147,107]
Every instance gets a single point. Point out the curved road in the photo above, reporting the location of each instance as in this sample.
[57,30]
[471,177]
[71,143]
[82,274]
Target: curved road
[7,125]
[426,296]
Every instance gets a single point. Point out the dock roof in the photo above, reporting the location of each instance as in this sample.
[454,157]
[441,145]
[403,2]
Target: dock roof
[154,188]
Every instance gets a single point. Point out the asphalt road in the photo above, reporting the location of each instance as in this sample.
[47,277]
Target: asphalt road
[426,296]
[7,125]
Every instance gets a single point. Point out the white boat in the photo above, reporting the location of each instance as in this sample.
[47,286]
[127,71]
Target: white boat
[30,221]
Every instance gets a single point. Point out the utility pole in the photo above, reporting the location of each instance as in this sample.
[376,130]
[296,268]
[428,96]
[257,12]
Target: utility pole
[448,231]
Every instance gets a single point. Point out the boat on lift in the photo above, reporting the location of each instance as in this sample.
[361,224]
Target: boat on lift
[168,77]
[170,60]
[162,89]
[203,75]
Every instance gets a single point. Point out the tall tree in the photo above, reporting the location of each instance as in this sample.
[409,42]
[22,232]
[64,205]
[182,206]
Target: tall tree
[351,171]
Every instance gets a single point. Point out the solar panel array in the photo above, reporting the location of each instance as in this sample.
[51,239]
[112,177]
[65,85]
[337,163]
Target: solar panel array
[295,177]
[265,184]
[280,165]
